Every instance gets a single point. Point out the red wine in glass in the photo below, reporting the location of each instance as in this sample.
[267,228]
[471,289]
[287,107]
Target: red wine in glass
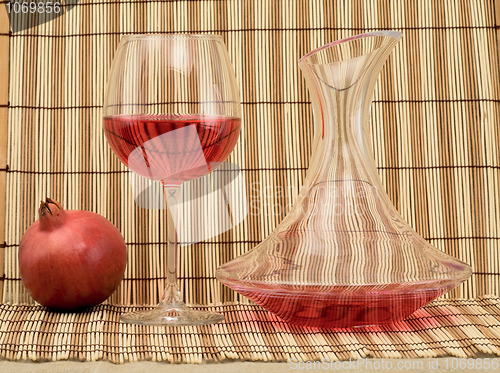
[172,148]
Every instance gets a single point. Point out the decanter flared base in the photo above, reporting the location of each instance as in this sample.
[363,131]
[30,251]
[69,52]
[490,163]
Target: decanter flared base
[309,281]
[339,307]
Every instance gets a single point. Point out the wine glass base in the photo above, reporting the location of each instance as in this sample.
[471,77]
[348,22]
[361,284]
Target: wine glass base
[172,316]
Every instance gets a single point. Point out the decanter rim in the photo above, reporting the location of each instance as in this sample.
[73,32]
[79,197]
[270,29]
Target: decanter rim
[390,33]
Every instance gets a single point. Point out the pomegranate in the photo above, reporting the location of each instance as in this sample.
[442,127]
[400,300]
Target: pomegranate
[71,259]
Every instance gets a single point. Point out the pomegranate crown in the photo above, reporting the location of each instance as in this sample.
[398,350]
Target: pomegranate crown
[45,207]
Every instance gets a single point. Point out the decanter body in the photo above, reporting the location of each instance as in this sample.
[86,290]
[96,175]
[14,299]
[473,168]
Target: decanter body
[343,256]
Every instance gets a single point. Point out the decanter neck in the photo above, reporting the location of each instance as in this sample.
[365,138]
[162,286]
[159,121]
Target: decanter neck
[341,78]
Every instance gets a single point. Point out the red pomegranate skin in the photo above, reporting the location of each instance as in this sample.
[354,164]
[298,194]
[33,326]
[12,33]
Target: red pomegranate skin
[71,259]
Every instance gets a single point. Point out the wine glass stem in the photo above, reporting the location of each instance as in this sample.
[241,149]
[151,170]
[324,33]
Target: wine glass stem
[171,295]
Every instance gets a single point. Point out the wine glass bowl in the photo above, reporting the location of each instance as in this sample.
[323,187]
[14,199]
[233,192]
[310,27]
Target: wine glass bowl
[172,148]
[172,113]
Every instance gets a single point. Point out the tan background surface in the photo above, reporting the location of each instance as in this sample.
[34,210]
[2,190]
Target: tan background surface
[412,366]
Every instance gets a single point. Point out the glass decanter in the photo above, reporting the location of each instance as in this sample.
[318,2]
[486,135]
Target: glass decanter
[343,256]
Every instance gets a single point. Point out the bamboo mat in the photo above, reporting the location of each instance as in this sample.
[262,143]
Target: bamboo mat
[461,328]
[435,132]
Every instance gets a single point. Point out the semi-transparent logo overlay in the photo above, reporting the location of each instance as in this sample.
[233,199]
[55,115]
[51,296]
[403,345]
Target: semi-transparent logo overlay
[206,207]
[25,14]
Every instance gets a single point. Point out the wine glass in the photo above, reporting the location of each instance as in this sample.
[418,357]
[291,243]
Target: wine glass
[172,113]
